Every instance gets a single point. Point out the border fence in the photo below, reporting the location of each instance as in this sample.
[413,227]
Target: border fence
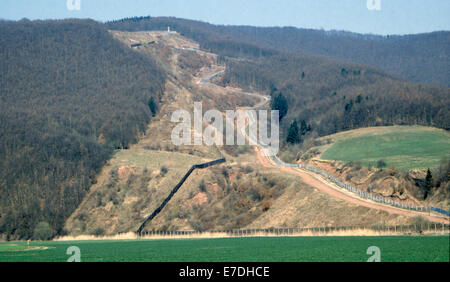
[375,198]
[414,229]
[292,231]
[363,194]
[176,188]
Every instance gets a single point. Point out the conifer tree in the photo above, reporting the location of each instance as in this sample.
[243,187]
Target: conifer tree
[293,133]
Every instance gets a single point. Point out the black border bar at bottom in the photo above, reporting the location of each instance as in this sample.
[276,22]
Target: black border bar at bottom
[226,271]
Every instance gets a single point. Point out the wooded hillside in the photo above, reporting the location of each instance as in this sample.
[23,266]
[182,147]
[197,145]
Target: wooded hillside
[420,58]
[328,94]
[69,95]
[332,96]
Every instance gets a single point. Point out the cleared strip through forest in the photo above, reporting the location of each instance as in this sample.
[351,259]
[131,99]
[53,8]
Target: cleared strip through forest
[356,192]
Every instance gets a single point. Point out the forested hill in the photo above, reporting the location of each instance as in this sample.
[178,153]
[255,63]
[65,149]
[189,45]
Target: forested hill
[69,95]
[328,94]
[420,58]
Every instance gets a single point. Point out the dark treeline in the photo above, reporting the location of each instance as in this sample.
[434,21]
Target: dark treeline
[420,58]
[69,95]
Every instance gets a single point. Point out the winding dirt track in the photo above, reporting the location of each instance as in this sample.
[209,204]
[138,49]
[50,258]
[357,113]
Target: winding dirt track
[325,187]
[322,185]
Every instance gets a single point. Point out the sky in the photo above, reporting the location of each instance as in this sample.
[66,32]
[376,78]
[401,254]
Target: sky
[377,17]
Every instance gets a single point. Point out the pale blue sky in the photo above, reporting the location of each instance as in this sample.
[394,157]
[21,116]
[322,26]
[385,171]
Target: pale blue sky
[395,16]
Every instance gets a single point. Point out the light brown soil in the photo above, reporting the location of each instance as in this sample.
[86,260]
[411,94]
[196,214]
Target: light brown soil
[198,200]
[327,188]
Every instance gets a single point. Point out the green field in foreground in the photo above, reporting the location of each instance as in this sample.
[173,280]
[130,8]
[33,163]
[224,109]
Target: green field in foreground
[260,249]
[405,147]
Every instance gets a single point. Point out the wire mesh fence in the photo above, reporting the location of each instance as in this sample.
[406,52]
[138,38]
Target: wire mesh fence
[414,229]
[363,194]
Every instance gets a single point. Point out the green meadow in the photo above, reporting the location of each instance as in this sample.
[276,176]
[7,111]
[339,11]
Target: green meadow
[405,147]
[253,249]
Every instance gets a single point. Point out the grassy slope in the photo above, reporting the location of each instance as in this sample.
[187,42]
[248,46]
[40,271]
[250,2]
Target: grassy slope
[294,249]
[405,147]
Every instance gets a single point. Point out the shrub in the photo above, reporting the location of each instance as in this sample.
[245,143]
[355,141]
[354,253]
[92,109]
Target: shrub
[164,170]
[114,175]
[248,169]
[225,172]
[358,165]
[197,225]
[381,164]
[99,197]
[81,216]
[266,204]
[255,195]
[152,106]
[43,231]
[202,186]
[98,231]
[348,177]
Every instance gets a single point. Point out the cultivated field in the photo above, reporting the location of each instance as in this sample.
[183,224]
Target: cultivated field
[262,249]
[405,147]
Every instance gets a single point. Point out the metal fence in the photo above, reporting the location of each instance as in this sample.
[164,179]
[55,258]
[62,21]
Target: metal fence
[363,194]
[176,188]
[415,229]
